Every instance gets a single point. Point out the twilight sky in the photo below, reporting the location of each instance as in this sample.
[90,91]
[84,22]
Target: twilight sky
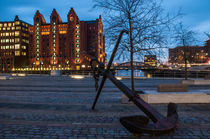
[197,11]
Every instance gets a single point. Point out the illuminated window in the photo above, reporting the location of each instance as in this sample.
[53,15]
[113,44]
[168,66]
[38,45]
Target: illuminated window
[77,40]
[17,33]
[17,46]
[11,40]
[77,31]
[7,47]
[71,18]
[24,53]
[4,28]
[5,24]
[1,25]
[17,40]
[8,28]
[77,55]
[77,45]
[17,23]
[12,47]
[77,50]
[7,34]
[13,28]
[77,60]
[7,40]
[18,28]
[0,29]
[17,53]
[10,24]
[77,36]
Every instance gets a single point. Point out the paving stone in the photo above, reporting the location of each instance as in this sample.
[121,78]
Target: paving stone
[45,107]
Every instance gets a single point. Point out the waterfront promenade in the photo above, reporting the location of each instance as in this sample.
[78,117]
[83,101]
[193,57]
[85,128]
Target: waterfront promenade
[45,107]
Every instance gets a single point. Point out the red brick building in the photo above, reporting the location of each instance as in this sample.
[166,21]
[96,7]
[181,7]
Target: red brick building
[69,45]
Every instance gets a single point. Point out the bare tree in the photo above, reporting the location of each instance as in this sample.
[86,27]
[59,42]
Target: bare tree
[144,19]
[207,34]
[185,37]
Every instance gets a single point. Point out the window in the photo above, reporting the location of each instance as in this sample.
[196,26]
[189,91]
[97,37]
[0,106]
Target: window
[17,33]
[17,23]
[10,24]
[1,25]
[11,40]
[7,34]
[17,53]
[7,47]
[18,28]
[13,28]
[7,40]
[77,45]
[17,46]
[8,28]
[17,40]
[5,24]
[12,47]
[77,40]
[24,53]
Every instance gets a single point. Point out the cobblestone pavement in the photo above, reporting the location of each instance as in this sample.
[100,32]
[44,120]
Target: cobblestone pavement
[60,107]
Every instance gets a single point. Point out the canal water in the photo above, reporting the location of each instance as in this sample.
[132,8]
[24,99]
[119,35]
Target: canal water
[137,73]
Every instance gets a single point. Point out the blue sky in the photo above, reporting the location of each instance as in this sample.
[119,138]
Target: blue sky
[197,11]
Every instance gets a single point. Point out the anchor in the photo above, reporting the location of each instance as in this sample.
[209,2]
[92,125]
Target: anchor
[135,124]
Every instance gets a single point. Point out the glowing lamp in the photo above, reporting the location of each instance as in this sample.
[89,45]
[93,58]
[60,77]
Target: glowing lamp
[77,77]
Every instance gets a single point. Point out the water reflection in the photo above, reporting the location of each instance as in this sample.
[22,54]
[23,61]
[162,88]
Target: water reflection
[137,73]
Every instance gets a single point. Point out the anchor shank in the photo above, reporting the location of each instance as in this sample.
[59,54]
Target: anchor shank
[145,107]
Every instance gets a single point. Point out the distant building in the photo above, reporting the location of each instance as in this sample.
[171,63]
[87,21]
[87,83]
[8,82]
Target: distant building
[194,54]
[69,44]
[56,45]
[14,42]
[150,60]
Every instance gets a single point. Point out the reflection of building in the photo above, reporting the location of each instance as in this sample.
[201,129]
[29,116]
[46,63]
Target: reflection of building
[194,54]
[68,44]
[54,45]
[150,60]
[14,41]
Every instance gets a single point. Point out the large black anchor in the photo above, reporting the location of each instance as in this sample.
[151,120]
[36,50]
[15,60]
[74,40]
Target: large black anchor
[136,124]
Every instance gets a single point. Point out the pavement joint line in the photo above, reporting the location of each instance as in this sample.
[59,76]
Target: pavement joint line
[66,124]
